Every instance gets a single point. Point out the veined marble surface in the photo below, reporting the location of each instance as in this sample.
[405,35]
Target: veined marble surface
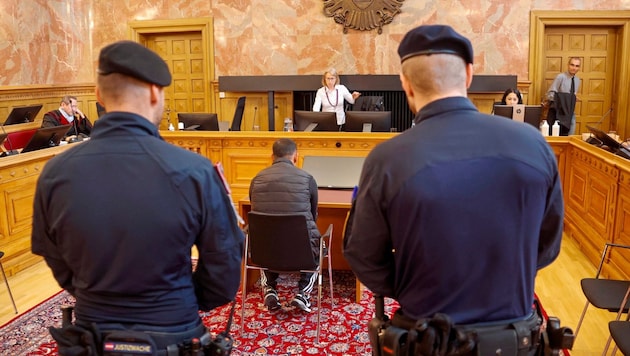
[58,41]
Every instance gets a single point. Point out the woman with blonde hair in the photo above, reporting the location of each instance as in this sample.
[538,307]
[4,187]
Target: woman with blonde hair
[332,95]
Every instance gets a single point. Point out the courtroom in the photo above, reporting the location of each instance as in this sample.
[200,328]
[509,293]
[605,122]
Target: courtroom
[203,95]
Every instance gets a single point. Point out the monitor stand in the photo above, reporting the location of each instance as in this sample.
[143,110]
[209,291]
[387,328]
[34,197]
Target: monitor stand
[310,127]
[9,153]
[367,127]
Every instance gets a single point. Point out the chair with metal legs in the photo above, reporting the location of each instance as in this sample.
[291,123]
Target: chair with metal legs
[265,232]
[602,293]
[620,333]
[7,282]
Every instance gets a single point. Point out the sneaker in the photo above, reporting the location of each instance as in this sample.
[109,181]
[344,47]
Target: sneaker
[301,302]
[271,300]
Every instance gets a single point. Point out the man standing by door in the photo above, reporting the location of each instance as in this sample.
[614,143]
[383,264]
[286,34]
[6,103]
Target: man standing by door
[561,95]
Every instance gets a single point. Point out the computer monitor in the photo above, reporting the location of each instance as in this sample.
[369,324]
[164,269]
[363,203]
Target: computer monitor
[611,144]
[604,139]
[368,103]
[22,114]
[334,172]
[46,137]
[524,113]
[368,121]
[199,121]
[326,121]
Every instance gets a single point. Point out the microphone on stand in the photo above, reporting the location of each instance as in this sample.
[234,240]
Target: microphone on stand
[254,121]
[75,125]
[11,151]
[593,140]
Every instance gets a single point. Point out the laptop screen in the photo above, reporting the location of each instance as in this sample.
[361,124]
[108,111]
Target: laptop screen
[332,172]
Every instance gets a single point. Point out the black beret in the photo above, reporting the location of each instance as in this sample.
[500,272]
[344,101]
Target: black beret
[135,60]
[433,39]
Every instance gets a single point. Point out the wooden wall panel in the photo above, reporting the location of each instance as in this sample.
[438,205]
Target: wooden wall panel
[590,190]
[18,176]
[620,258]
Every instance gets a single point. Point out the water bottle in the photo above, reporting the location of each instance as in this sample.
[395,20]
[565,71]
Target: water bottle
[171,127]
[288,125]
[555,128]
[544,128]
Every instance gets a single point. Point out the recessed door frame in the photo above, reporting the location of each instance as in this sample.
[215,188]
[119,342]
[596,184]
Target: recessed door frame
[539,20]
[139,30]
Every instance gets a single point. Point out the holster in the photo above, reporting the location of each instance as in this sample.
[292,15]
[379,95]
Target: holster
[88,340]
[439,336]
[75,340]
[427,336]
[511,338]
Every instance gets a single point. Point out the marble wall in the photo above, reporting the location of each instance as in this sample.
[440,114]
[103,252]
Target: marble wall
[57,41]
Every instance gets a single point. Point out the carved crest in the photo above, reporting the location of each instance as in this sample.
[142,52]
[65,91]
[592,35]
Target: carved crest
[363,15]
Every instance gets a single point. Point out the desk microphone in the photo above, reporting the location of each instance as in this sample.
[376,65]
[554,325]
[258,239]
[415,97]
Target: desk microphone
[593,140]
[11,151]
[255,113]
[77,137]
[603,117]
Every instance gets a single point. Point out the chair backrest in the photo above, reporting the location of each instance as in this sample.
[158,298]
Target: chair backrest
[280,242]
[18,139]
[238,114]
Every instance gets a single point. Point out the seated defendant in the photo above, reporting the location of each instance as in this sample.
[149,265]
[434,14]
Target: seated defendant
[284,188]
[116,217]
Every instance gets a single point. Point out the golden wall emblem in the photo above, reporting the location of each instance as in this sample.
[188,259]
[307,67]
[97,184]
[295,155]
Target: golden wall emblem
[363,15]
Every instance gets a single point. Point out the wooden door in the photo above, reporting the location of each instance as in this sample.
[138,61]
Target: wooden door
[184,54]
[596,46]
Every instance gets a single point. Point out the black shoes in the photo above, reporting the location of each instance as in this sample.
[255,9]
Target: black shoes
[271,300]
[300,301]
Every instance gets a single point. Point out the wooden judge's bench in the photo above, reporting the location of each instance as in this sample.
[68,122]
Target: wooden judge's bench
[596,186]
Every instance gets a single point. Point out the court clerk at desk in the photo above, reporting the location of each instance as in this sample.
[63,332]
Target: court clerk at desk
[511,97]
[331,96]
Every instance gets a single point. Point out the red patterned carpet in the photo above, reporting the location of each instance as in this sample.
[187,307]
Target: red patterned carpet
[285,332]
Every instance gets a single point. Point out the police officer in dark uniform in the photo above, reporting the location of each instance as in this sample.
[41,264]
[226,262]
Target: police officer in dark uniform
[457,214]
[116,217]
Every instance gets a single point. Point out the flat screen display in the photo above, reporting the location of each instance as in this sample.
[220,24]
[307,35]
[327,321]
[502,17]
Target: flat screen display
[46,137]
[199,121]
[22,114]
[530,114]
[334,172]
[368,121]
[326,121]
